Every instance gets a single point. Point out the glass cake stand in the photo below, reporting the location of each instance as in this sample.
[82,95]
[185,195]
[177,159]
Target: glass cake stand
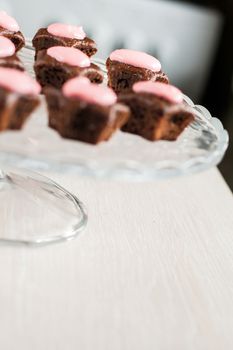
[48,213]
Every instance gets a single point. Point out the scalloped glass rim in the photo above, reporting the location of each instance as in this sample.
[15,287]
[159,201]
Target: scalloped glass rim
[201,146]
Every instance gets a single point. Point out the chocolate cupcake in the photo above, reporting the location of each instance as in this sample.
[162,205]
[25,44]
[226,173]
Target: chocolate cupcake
[9,28]
[158,111]
[58,34]
[18,98]
[126,67]
[56,65]
[8,57]
[84,111]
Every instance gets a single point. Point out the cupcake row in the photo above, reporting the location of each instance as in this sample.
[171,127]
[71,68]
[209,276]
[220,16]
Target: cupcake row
[138,98]
[63,52]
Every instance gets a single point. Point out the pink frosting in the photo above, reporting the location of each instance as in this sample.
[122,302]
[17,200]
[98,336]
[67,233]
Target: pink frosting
[69,55]
[168,92]
[136,59]
[8,22]
[7,48]
[82,88]
[19,82]
[67,31]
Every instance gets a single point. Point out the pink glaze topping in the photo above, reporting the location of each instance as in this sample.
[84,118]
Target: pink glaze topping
[136,59]
[19,82]
[82,88]
[66,31]
[69,55]
[168,92]
[8,22]
[7,48]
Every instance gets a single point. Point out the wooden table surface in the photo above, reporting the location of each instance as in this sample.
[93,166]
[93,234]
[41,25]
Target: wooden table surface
[153,270]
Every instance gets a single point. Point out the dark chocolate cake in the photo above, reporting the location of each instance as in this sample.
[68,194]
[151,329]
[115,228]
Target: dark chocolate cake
[75,117]
[8,57]
[156,113]
[9,29]
[17,38]
[51,72]
[126,67]
[12,62]
[19,96]
[44,40]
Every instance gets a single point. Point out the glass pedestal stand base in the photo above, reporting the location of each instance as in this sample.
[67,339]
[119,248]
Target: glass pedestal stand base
[36,210]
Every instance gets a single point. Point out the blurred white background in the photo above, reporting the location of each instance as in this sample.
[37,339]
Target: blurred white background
[182,36]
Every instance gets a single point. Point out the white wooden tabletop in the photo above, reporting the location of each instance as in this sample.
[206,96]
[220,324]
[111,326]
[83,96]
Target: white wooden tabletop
[153,270]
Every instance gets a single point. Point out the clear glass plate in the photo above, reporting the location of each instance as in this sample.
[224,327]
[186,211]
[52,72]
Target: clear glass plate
[37,147]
